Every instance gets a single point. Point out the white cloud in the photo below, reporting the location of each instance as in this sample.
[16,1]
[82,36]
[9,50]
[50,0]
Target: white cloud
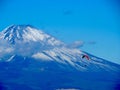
[5,48]
[76,44]
[91,42]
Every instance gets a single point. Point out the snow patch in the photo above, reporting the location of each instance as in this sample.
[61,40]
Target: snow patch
[11,58]
[41,56]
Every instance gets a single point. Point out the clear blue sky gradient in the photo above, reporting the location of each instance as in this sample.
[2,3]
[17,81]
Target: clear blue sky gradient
[70,20]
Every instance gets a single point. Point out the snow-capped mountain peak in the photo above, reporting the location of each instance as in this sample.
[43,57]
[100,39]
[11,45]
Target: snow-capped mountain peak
[27,41]
[27,33]
[31,60]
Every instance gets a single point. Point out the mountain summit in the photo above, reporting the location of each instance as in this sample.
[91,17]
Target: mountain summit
[27,33]
[33,60]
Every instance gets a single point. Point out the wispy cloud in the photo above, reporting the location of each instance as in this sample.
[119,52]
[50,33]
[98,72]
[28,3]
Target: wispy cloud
[79,44]
[92,42]
[5,48]
[76,44]
[67,12]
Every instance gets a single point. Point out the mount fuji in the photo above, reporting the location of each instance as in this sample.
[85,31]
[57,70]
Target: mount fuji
[31,59]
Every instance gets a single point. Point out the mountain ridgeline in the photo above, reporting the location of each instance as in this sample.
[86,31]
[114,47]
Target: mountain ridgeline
[30,59]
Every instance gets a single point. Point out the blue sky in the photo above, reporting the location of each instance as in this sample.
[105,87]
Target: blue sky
[70,20]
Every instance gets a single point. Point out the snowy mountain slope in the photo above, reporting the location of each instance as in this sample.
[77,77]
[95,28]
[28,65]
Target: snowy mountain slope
[73,58]
[29,55]
[28,73]
[27,41]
